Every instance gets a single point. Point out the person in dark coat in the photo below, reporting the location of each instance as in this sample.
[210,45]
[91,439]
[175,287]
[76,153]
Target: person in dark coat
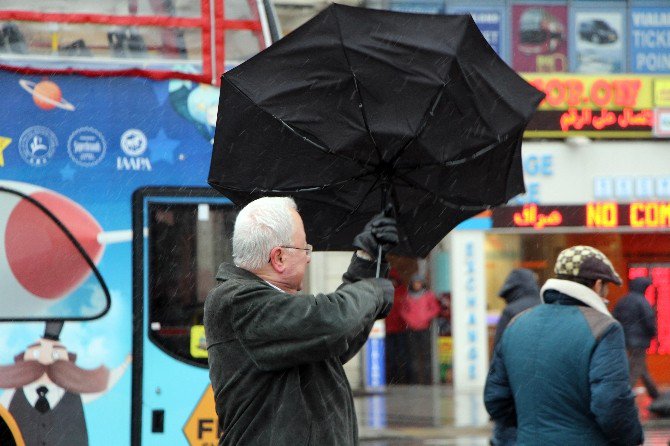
[559,372]
[521,292]
[638,320]
[276,358]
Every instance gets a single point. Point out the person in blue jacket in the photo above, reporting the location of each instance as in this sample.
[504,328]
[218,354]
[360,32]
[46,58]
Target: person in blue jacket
[560,372]
[521,292]
[638,320]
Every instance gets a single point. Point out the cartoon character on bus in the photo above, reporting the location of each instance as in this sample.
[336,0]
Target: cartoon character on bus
[44,276]
[47,390]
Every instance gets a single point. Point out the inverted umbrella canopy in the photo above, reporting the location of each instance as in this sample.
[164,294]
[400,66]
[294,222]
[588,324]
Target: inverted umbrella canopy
[358,107]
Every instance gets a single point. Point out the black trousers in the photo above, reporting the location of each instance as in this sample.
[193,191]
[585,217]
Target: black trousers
[637,358]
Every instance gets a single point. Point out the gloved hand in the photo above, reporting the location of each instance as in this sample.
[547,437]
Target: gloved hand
[380,230]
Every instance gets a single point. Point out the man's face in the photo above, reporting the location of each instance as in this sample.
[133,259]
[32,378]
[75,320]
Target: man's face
[297,259]
[46,352]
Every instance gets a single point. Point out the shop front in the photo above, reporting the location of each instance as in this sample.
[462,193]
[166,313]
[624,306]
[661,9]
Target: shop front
[612,195]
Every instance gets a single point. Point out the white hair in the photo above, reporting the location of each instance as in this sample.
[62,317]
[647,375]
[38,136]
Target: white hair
[260,226]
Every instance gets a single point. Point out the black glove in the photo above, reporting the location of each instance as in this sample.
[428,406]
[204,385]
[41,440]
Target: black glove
[380,230]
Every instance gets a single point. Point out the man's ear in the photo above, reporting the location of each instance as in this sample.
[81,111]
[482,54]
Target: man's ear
[277,259]
[598,286]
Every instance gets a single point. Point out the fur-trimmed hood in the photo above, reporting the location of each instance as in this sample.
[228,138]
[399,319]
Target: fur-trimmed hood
[577,291]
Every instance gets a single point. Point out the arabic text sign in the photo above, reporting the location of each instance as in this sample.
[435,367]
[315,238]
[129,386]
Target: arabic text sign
[602,215]
[596,105]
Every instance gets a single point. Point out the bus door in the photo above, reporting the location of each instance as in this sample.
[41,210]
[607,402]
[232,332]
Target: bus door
[181,235]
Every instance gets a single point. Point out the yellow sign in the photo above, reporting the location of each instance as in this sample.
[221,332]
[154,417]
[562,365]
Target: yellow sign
[662,92]
[198,342]
[202,427]
[4,142]
[611,91]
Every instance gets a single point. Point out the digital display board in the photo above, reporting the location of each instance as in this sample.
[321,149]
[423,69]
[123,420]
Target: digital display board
[658,296]
[598,106]
[602,215]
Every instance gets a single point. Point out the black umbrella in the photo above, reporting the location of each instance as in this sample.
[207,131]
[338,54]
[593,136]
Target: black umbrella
[360,106]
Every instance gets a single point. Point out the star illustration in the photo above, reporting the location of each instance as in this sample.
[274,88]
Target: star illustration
[4,142]
[67,173]
[162,148]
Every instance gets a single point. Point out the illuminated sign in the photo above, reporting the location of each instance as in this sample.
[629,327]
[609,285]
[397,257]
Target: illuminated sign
[620,106]
[603,215]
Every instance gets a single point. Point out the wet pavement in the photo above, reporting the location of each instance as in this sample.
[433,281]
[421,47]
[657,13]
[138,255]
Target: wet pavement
[425,416]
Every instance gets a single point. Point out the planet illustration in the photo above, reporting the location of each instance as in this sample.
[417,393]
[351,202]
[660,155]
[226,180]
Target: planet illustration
[38,263]
[46,94]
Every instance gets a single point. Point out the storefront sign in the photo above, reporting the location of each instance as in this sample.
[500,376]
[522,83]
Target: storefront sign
[649,40]
[539,37]
[596,106]
[599,215]
[468,310]
[598,38]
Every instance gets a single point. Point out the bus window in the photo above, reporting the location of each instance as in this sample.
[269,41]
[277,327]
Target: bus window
[186,244]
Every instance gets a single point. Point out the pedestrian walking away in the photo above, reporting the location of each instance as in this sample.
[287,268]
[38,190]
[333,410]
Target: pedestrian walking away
[521,292]
[419,310]
[559,372]
[276,358]
[638,320]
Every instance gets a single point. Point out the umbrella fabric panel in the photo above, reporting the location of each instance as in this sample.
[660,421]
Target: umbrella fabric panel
[484,180]
[257,151]
[305,81]
[399,72]
[360,107]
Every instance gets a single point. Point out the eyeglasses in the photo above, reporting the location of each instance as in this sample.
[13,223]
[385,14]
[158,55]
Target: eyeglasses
[308,249]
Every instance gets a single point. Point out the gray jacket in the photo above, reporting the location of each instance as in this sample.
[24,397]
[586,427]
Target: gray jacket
[276,359]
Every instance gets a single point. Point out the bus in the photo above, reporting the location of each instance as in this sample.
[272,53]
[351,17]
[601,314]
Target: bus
[110,235]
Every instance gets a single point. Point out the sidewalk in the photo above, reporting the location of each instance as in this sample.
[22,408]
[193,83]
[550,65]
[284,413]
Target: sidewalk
[425,415]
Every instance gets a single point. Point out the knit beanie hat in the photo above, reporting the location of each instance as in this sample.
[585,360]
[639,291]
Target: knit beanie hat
[585,262]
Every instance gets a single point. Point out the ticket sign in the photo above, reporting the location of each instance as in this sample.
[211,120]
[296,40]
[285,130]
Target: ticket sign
[602,215]
[202,427]
[597,106]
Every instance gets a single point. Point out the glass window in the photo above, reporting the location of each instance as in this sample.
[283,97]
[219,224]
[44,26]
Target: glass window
[242,44]
[109,46]
[181,8]
[187,242]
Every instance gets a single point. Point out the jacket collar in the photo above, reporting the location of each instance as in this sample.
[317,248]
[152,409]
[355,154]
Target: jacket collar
[229,271]
[576,291]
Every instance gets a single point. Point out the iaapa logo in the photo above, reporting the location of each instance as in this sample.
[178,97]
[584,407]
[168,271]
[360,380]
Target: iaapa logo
[37,145]
[134,144]
[86,146]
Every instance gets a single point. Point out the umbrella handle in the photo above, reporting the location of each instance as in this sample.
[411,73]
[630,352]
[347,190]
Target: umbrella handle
[379,261]
[385,190]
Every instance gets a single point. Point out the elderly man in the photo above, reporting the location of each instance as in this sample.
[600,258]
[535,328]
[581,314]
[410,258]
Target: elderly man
[559,372]
[275,358]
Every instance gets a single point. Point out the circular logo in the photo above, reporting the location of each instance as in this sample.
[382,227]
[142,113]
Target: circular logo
[86,146]
[37,145]
[133,142]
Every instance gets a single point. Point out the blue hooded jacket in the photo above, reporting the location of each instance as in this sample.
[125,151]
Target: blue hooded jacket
[560,373]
